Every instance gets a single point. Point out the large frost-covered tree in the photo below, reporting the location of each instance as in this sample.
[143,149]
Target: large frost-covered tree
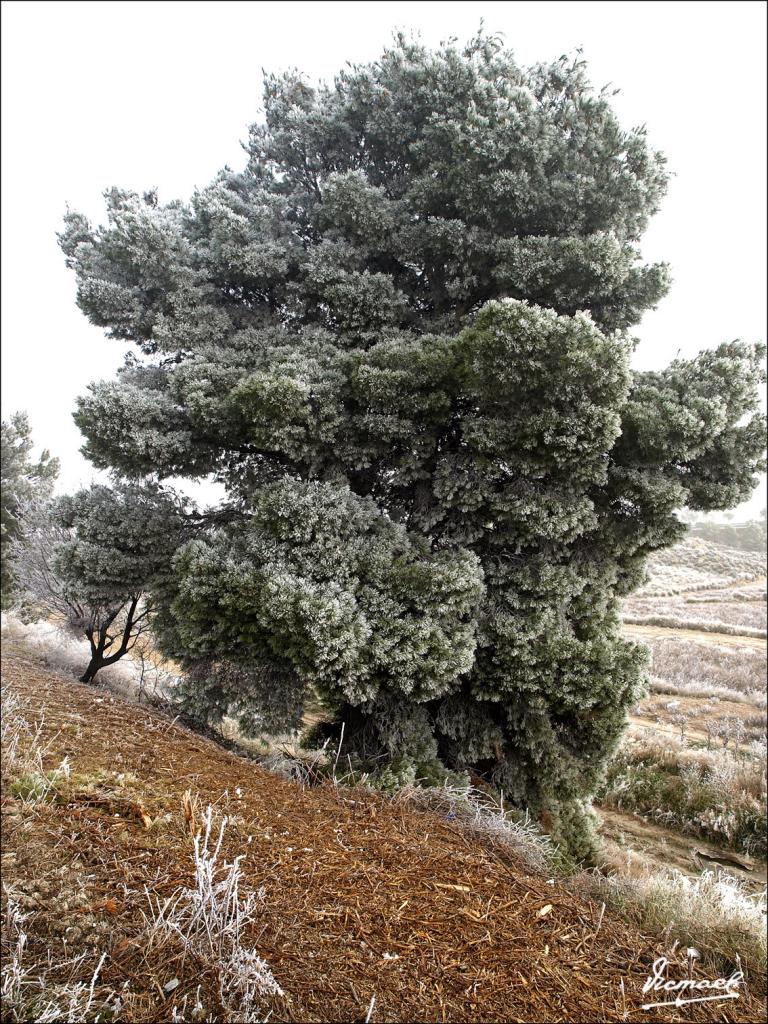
[401,337]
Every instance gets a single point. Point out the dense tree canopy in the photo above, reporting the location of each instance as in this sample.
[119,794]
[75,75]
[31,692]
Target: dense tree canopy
[400,337]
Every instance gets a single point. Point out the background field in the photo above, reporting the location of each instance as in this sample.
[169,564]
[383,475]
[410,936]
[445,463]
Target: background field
[688,783]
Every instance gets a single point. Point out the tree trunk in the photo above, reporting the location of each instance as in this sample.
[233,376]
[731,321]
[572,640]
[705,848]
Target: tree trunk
[93,667]
[100,659]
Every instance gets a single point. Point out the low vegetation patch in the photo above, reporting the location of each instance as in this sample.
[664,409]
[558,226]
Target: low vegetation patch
[746,618]
[681,665]
[714,914]
[701,624]
[712,794]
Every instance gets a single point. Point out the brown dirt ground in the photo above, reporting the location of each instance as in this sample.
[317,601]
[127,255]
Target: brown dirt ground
[647,846]
[363,897]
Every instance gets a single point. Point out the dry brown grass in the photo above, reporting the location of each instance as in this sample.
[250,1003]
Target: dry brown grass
[708,669]
[726,616]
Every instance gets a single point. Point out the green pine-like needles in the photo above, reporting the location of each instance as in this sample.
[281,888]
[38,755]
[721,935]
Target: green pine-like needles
[400,338]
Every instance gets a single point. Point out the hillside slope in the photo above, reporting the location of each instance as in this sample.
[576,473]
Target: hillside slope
[362,897]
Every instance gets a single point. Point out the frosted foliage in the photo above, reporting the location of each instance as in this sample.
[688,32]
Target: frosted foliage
[262,697]
[400,338]
[92,559]
[22,482]
[211,919]
[320,580]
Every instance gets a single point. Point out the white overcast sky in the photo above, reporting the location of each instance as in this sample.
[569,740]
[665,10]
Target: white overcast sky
[160,94]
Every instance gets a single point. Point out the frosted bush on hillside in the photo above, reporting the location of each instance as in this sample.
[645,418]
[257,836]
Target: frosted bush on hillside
[471,809]
[709,793]
[245,977]
[722,893]
[212,912]
[23,482]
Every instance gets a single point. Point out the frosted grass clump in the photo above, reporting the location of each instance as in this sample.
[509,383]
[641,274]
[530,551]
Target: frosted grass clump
[210,917]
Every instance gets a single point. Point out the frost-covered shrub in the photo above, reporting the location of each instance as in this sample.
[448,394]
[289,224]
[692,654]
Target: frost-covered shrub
[715,913]
[22,481]
[210,918]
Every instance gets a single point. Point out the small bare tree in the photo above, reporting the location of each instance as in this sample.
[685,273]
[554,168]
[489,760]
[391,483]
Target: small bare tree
[113,632]
[71,566]
[111,628]
[680,719]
